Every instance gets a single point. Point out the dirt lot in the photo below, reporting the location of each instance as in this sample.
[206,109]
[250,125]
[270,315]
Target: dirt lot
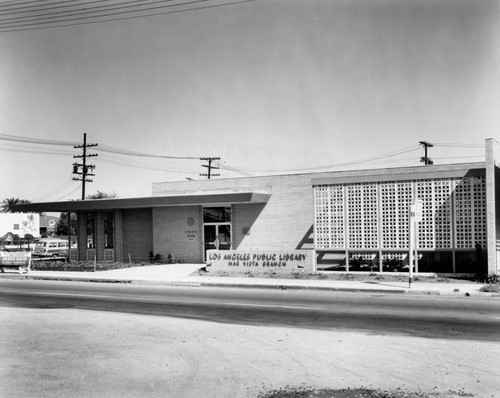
[65,352]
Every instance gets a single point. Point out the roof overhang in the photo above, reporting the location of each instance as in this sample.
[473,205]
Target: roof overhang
[202,199]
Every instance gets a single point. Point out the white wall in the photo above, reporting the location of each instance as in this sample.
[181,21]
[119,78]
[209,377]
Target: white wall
[20,224]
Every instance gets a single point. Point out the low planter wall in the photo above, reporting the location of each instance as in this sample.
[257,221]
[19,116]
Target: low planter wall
[279,262]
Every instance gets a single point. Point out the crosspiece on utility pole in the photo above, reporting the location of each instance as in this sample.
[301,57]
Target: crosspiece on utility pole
[209,167]
[82,169]
[424,159]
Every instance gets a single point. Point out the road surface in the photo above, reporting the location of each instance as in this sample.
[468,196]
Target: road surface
[70,339]
[422,316]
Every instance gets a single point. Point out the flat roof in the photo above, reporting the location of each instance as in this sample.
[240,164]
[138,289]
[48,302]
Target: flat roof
[212,199]
[459,170]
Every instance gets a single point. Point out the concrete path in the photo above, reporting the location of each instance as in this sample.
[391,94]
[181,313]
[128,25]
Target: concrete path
[186,275]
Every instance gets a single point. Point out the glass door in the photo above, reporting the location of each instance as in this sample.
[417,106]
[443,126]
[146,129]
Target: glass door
[210,233]
[216,228]
[217,237]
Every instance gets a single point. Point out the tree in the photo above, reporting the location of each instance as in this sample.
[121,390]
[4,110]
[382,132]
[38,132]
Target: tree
[7,203]
[102,195]
[62,224]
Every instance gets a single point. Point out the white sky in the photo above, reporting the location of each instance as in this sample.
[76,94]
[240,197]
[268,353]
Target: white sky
[266,85]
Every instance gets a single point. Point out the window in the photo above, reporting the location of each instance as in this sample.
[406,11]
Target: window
[108,229]
[90,218]
[217,214]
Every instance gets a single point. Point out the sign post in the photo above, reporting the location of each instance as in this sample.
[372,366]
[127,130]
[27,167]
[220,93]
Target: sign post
[415,217]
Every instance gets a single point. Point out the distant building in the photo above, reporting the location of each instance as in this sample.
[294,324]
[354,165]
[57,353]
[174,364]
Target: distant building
[48,225]
[20,224]
[353,220]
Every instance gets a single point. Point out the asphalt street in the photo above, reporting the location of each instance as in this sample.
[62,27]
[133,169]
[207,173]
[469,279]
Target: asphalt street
[419,316]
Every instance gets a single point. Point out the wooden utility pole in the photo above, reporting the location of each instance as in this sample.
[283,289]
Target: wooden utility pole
[82,170]
[209,167]
[424,158]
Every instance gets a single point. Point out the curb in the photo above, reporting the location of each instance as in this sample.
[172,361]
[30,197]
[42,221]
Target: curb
[77,279]
[214,284]
[300,287]
[275,286]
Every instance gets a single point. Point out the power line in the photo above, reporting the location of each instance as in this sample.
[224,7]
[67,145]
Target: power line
[30,140]
[75,17]
[120,151]
[17,3]
[34,151]
[67,184]
[45,6]
[451,145]
[331,166]
[60,23]
[103,148]
[105,159]
[66,195]
[69,12]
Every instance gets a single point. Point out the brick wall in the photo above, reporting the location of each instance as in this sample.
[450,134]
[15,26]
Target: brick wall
[118,236]
[178,231]
[137,229]
[82,235]
[99,235]
[280,224]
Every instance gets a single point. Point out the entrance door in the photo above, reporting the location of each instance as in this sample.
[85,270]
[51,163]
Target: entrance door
[217,237]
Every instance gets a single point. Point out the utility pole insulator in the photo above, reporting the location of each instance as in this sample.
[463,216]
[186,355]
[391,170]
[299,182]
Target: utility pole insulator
[82,170]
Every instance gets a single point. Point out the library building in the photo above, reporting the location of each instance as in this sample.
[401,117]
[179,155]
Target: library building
[338,221]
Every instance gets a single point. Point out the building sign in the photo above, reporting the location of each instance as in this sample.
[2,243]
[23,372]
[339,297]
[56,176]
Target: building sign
[261,262]
[191,235]
[15,259]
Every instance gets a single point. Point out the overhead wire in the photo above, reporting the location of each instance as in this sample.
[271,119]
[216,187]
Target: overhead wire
[31,140]
[109,17]
[120,151]
[68,194]
[45,3]
[223,165]
[103,148]
[330,166]
[16,2]
[141,166]
[89,10]
[457,145]
[68,183]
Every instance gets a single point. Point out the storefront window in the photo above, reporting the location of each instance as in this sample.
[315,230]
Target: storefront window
[217,214]
[90,218]
[108,229]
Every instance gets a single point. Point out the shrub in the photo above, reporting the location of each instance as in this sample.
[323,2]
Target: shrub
[490,288]
[493,279]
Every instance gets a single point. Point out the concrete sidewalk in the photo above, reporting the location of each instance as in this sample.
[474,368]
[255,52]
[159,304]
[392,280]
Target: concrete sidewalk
[186,275]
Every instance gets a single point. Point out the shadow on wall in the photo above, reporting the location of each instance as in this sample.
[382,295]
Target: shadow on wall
[307,242]
[244,218]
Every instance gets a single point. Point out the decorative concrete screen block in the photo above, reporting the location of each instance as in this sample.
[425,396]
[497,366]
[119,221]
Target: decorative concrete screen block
[329,216]
[236,262]
[470,212]
[364,216]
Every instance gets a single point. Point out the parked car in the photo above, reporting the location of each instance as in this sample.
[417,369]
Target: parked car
[51,247]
